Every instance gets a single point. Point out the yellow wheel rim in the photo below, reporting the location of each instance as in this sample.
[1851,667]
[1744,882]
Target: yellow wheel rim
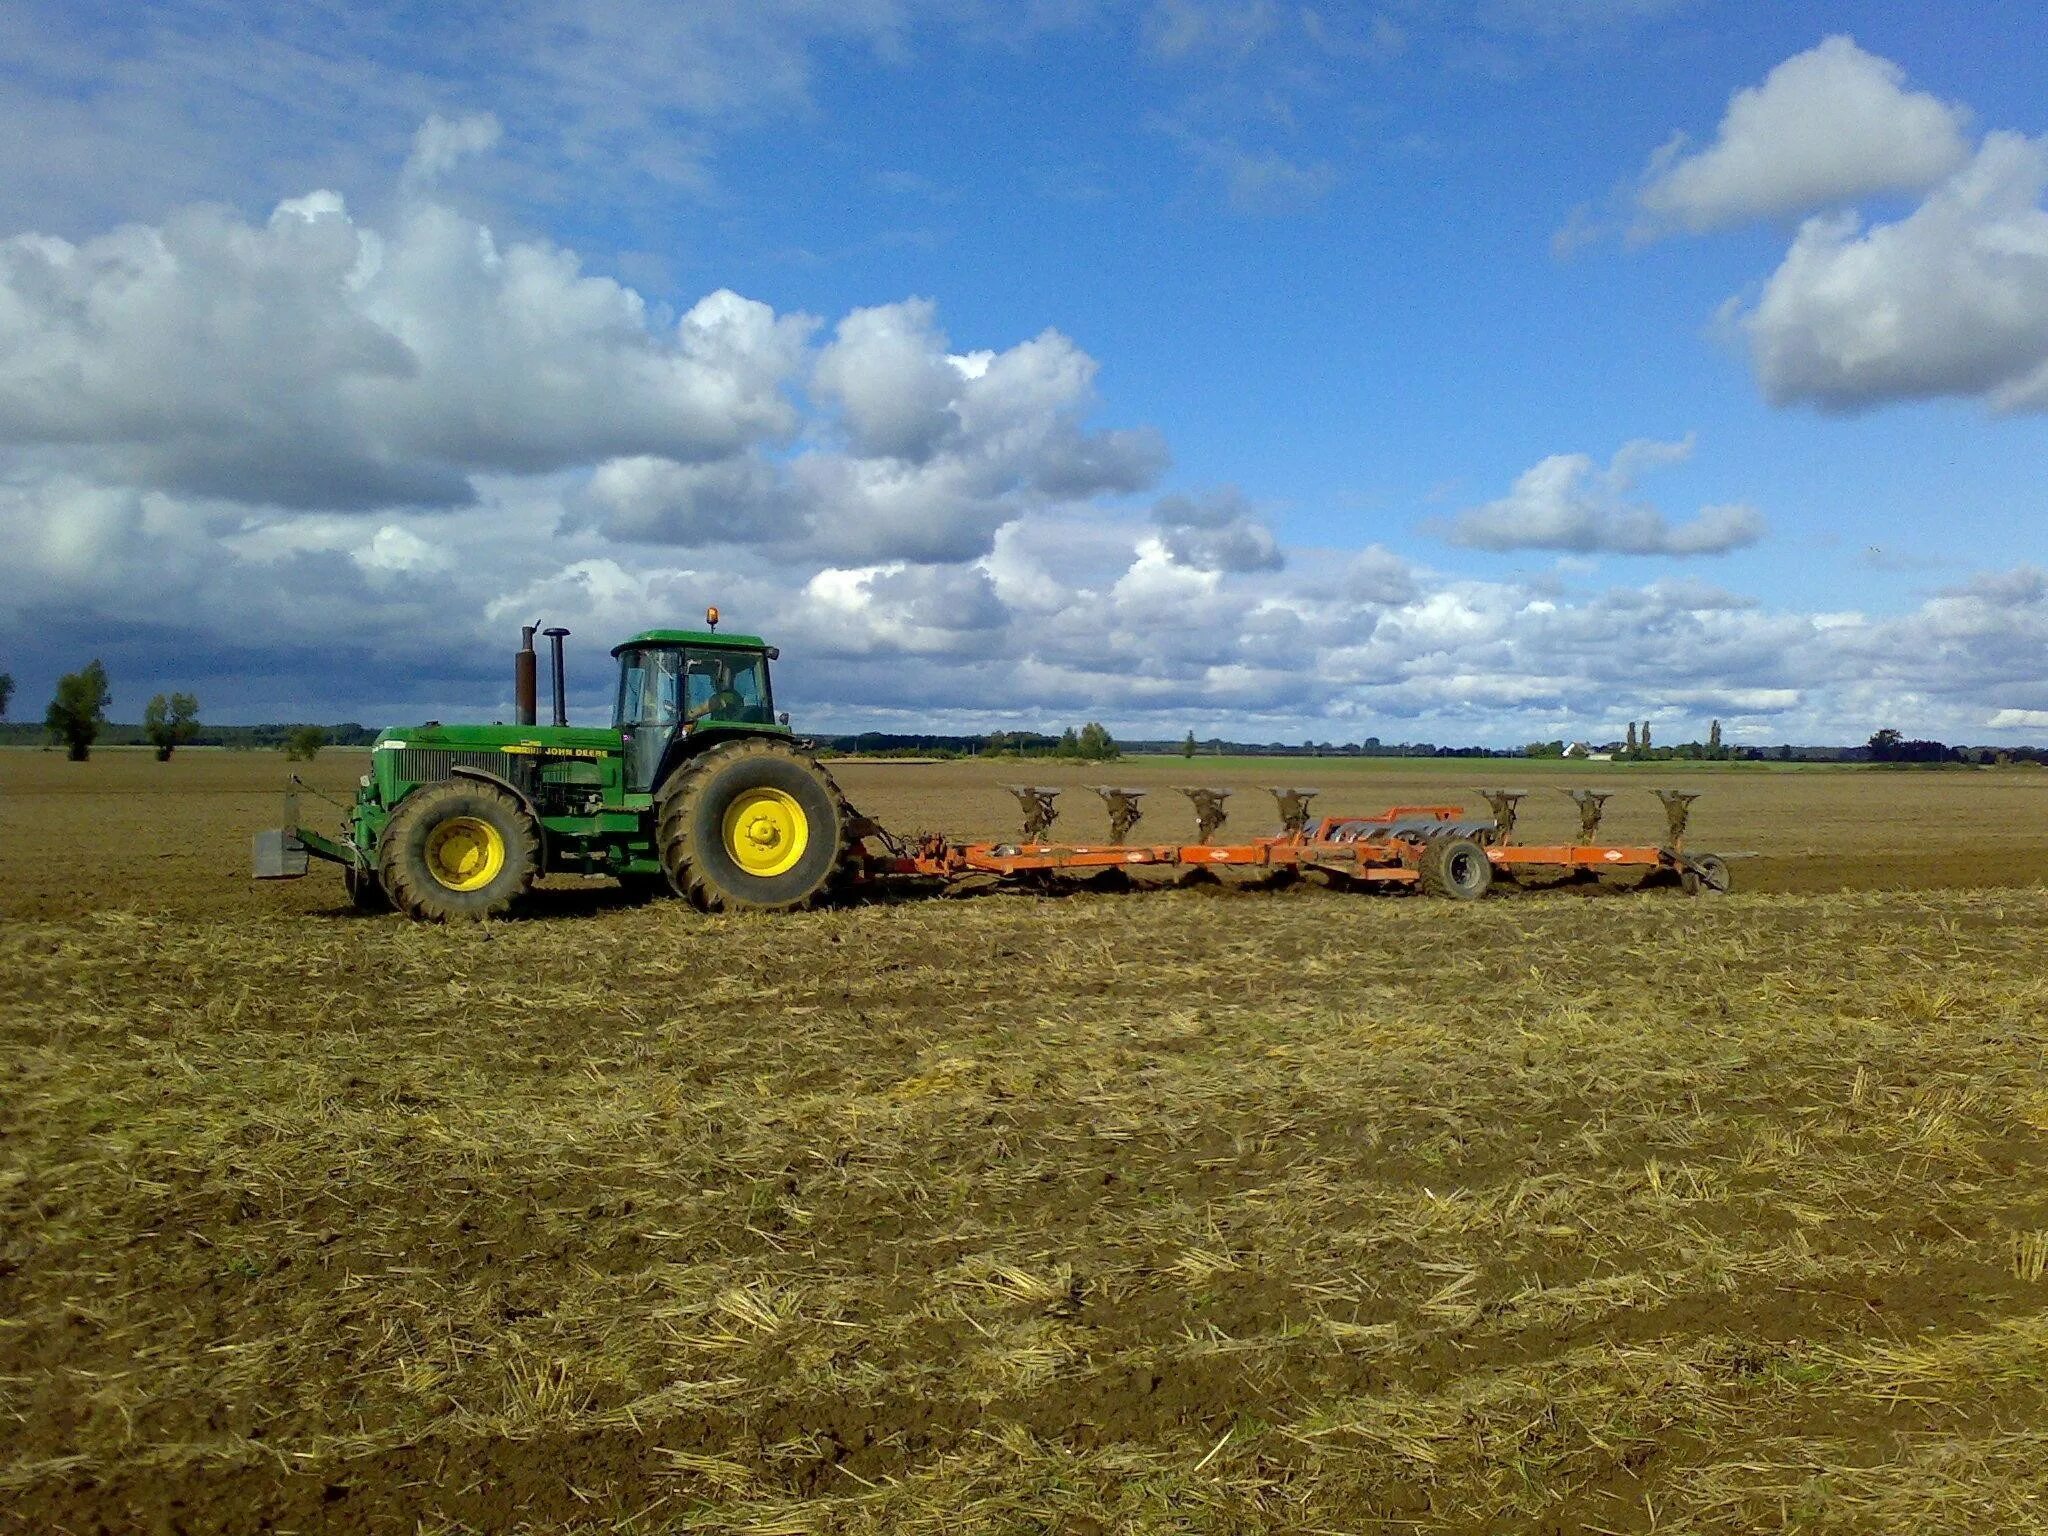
[465,853]
[766,832]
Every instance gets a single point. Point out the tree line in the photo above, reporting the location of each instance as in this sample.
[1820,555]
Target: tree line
[76,720]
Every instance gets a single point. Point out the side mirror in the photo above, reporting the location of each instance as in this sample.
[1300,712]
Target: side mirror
[783,717]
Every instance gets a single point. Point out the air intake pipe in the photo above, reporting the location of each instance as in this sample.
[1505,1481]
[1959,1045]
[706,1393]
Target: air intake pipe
[525,679]
[555,638]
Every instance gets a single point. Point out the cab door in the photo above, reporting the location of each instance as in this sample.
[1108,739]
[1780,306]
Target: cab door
[649,710]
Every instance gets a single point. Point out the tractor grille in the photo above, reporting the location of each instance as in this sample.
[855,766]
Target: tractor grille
[428,765]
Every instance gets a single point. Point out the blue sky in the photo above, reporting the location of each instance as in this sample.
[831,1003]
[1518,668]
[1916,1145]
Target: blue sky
[1470,371]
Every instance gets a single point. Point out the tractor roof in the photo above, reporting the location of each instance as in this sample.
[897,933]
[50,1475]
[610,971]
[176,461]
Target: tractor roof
[692,637]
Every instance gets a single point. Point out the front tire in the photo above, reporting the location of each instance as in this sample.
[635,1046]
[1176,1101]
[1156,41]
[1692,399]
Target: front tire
[457,852]
[752,825]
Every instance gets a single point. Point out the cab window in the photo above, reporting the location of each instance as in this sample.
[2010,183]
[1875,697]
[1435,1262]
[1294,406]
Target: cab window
[727,685]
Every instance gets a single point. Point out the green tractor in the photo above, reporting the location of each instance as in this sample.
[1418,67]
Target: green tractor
[697,786]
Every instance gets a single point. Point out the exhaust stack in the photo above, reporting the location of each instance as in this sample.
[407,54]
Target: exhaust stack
[525,679]
[555,638]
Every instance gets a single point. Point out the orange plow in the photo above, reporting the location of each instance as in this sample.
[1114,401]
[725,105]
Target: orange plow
[1437,849]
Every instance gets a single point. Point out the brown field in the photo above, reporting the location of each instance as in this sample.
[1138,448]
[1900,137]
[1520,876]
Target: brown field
[1200,1210]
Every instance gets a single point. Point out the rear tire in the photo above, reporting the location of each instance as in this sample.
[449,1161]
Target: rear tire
[1455,868]
[457,852]
[753,825]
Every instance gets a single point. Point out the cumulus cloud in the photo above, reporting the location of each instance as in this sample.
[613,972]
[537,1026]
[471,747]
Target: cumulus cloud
[1377,575]
[1950,300]
[926,452]
[256,451]
[1217,532]
[888,372]
[1567,502]
[738,500]
[310,362]
[901,609]
[1827,127]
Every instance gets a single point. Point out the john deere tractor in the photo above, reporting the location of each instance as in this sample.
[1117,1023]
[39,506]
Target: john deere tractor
[697,786]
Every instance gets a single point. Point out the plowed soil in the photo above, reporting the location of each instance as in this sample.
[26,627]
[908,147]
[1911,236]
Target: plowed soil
[1193,1210]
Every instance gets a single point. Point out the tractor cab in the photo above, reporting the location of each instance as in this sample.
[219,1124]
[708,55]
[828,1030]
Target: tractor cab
[686,683]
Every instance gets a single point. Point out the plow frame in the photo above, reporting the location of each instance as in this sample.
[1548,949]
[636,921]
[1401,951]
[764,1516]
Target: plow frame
[1387,848]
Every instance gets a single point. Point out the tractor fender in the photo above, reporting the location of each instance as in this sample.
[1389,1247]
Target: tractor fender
[686,746]
[464,771]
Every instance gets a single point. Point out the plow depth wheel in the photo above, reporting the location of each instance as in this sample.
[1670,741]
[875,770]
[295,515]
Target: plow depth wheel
[752,824]
[457,852]
[1455,867]
[1707,877]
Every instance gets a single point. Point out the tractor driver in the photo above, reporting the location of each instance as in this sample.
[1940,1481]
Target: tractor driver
[725,702]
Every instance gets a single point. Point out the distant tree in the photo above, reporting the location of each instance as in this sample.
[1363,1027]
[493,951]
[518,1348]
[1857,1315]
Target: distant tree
[1630,746]
[79,710]
[1646,735]
[1187,748]
[1070,743]
[1544,749]
[1096,744]
[303,743]
[1885,744]
[6,692]
[1714,737]
[170,722]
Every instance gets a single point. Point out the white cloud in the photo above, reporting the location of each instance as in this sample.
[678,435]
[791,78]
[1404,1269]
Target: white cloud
[1827,127]
[310,362]
[728,501]
[901,609]
[1567,502]
[1217,532]
[888,372]
[1951,300]
[238,507]
[441,144]
[1067,617]
[398,549]
[1377,575]
[933,451]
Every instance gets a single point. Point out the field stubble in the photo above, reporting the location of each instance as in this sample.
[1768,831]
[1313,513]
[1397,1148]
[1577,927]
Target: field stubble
[1195,1210]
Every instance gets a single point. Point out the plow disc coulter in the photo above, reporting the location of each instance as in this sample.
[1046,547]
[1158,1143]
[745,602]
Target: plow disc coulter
[1436,849]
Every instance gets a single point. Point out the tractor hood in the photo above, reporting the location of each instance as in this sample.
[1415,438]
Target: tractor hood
[536,739]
